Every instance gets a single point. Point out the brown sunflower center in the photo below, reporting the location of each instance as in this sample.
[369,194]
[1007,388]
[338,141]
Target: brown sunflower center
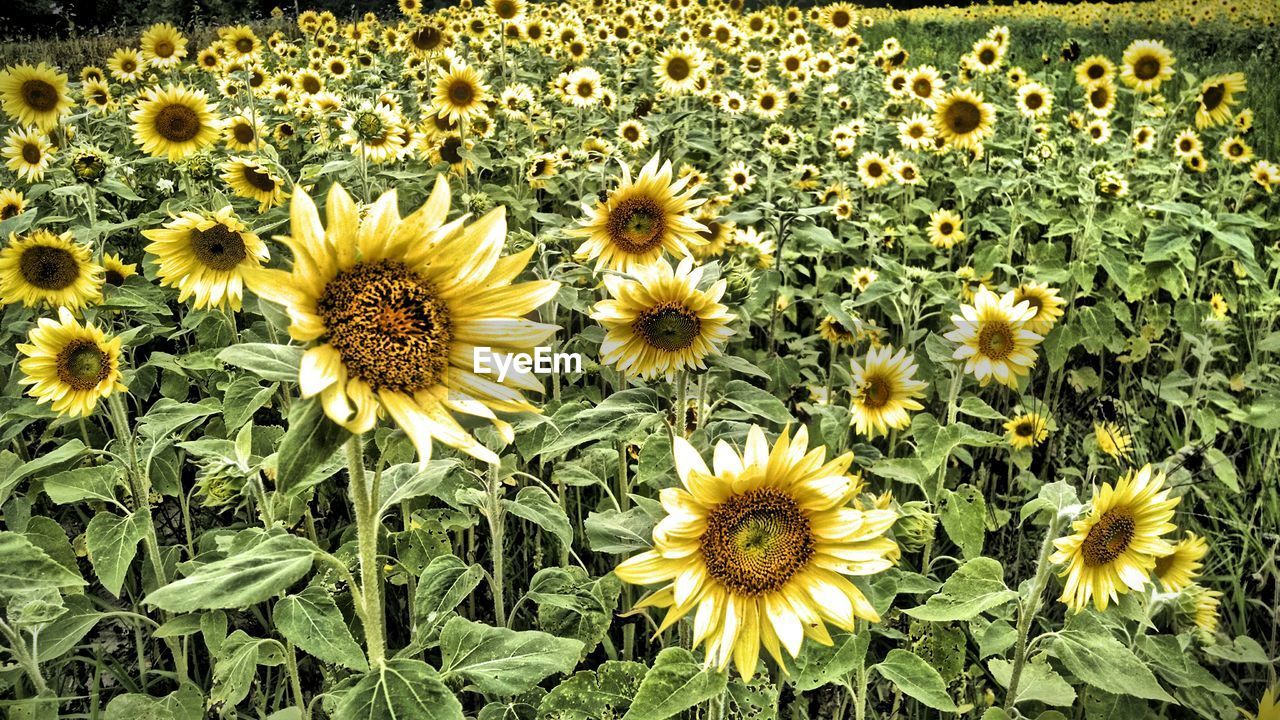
[219,247]
[128,66]
[1095,71]
[243,133]
[1163,564]
[1099,97]
[82,364]
[40,95]
[922,87]
[49,268]
[962,117]
[311,84]
[461,93]
[1213,96]
[9,210]
[177,123]
[678,69]
[1147,67]
[946,228]
[113,277]
[244,45]
[637,225]
[631,133]
[1185,145]
[258,178]
[876,392]
[426,38]
[995,339]
[389,325]
[1108,538]
[669,326]
[757,541]
[840,19]
[1034,101]
[31,153]
[875,169]
[1025,429]
[987,56]
[506,9]
[586,89]
[451,151]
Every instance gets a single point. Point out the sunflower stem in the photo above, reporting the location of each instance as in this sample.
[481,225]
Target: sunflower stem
[1029,607]
[367,543]
[497,550]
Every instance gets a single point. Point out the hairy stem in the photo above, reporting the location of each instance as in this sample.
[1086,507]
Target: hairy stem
[362,499]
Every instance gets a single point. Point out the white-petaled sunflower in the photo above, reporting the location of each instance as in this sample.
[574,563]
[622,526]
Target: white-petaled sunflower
[884,390]
[1146,65]
[1035,101]
[963,119]
[640,220]
[679,68]
[397,308]
[738,178]
[759,549]
[163,46]
[1114,548]
[945,228]
[251,179]
[1179,569]
[206,256]
[28,152]
[35,95]
[174,122]
[373,131]
[660,322]
[69,365]
[41,268]
[994,339]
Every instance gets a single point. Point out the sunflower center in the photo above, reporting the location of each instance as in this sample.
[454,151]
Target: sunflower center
[875,170]
[505,9]
[163,49]
[630,133]
[1034,101]
[258,179]
[31,153]
[1163,564]
[461,93]
[177,123]
[219,247]
[637,225]
[1147,67]
[1026,428]
[757,541]
[840,19]
[389,324]
[40,95]
[586,89]
[427,38]
[244,45]
[668,326]
[678,69]
[82,364]
[49,268]
[963,117]
[9,210]
[243,133]
[1108,538]
[1099,97]
[311,85]
[995,340]
[987,56]
[876,393]
[1212,97]
[113,277]
[128,66]
[1095,72]
[451,151]
[946,228]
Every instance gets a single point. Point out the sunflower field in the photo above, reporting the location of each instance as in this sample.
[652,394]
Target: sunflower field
[609,360]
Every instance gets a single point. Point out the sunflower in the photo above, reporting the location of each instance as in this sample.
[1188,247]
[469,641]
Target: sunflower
[206,256]
[640,220]
[1027,430]
[925,83]
[963,120]
[163,46]
[660,323]
[34,95]
[994,339]
[1115,547]
[241,134]
[1218,306]
[873,170]
[97,97]
[679,68]
[373,131]
[862,277]
[1099,131]
[738,178]
[1205,604]
[460,92]
[250,179]
[634,134]
[1046,302]
[1147,64]
[987,55]
[1187,144]
[126,65]
[116,270]
[1100,99]
[1265,174]
[716,238]
[1095,69]
[884,390]
[28,152]
[1112,439]
[399,307]
[754,247]
[1144,138]
[426,39]
[1268,706]
[945,229]
[70,365]
[1236,150]
[1179,569]
[1035,101]
[1217,96]
[12,203]
[240,40]
[583,87]
[541,168]
[760,549]
[174,122]
[835,332]
[508,10]
[839,18]
[46,269]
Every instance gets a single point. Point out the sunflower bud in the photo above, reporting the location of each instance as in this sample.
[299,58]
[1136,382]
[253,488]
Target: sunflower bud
[915,527]
[89,165]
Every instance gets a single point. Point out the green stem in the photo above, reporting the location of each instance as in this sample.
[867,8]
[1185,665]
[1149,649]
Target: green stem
[1028,608]
[295,682]
[497,550]
[362,499]
[18,648]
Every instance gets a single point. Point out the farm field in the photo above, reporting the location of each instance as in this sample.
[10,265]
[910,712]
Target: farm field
[602,360]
